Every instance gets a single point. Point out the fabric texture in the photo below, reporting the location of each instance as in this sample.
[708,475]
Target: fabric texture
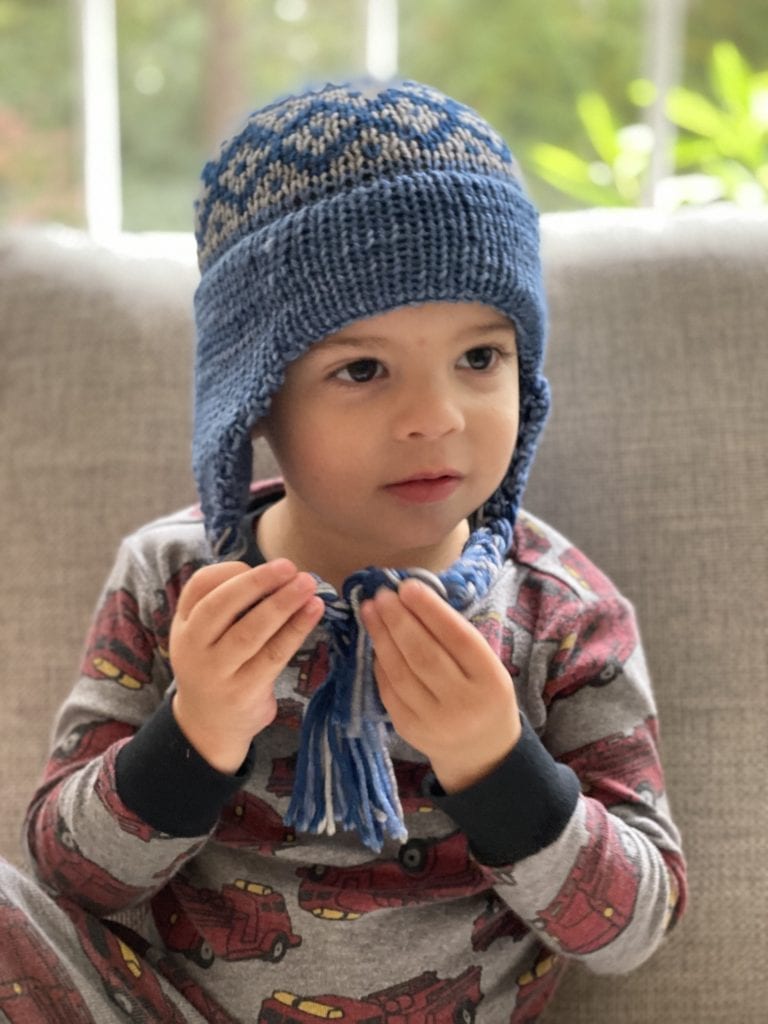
[251,907]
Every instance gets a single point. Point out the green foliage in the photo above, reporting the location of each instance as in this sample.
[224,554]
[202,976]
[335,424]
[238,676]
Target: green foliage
[727,139]
[187,66]
[724,139]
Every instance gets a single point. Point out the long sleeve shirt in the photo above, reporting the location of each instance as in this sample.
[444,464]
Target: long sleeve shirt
[566,852]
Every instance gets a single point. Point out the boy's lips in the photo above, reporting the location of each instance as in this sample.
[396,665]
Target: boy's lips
[426,486]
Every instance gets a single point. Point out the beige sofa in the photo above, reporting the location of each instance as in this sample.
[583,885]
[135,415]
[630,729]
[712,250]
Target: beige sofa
[654,462]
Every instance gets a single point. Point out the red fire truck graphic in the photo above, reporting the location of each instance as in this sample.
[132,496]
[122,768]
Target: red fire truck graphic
[585,572]
[410,776]
[496,921]
[56,846]
[536,987]
[499,638]
[598,898]
[425,999]
[313,668]
[134,946]
[84,743]
[621,767]
[39,989]
[529,540]
[165,605]
[425,870]
[129,982]
[289,713]
[249,821]
[118,646]
[592,655]
[542,603]
[243,921]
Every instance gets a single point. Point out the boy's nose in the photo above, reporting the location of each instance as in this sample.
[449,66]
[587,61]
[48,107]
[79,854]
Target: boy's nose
[428,412]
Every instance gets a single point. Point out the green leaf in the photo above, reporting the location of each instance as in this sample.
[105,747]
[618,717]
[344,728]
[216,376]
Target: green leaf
[601,128]
[693,153]
[569,174]
[730,75]
[695,113]
[642,92]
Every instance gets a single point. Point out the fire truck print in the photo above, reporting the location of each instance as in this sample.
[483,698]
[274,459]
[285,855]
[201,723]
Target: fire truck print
[499,638]
[243,921]
[529,539]
[249,821]
[592,646]
[290,713]
[536,987]
[496,921]
[165,606]
[128,981]
[82,744]
[619,768]
[313,668]
[119,646]
[594,655]
[425,870]
[39,988]
[542,602]
[56,846]
[425,999]
[597,900]
[584,572]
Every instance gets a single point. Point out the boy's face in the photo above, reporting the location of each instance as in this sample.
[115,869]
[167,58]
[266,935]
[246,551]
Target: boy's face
[389,434]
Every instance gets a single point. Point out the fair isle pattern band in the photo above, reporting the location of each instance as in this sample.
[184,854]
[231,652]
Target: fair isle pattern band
[301,150]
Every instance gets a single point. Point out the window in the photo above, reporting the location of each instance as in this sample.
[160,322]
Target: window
[108,108]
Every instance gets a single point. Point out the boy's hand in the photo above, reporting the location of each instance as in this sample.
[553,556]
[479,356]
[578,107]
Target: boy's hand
[234,631]
[445,690]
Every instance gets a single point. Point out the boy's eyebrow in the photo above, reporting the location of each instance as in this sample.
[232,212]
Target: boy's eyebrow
[359,340]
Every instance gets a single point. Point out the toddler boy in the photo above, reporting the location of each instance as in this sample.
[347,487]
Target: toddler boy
[366,742]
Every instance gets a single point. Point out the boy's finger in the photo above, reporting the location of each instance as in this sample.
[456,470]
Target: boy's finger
[404,645]
[398,700]
[278,650]
[257,628]
[204,581]
[222,605]
[452,633]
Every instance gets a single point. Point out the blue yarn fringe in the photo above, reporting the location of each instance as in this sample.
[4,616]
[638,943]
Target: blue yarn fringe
[344,773]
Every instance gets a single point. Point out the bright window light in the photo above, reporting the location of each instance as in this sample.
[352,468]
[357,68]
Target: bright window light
[101,118]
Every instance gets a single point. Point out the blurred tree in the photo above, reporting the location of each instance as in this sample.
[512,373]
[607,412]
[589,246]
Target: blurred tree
[190,69]
[40,172]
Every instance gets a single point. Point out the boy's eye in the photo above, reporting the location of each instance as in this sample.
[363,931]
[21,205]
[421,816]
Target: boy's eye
[360,372]
[481,358]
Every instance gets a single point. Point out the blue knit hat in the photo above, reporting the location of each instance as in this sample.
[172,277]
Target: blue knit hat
[326,208]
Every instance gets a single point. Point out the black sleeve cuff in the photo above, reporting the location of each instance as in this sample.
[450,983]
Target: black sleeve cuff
[162,779]
[519,808]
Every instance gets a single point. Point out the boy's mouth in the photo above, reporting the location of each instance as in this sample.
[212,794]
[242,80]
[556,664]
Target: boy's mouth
[426,486]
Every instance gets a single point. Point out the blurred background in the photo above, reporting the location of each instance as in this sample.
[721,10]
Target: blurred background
[108,108]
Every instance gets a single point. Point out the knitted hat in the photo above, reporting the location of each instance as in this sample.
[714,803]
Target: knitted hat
[327,208]
[338,205]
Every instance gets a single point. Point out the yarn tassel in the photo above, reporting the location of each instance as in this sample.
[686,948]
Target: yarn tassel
[344,772]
